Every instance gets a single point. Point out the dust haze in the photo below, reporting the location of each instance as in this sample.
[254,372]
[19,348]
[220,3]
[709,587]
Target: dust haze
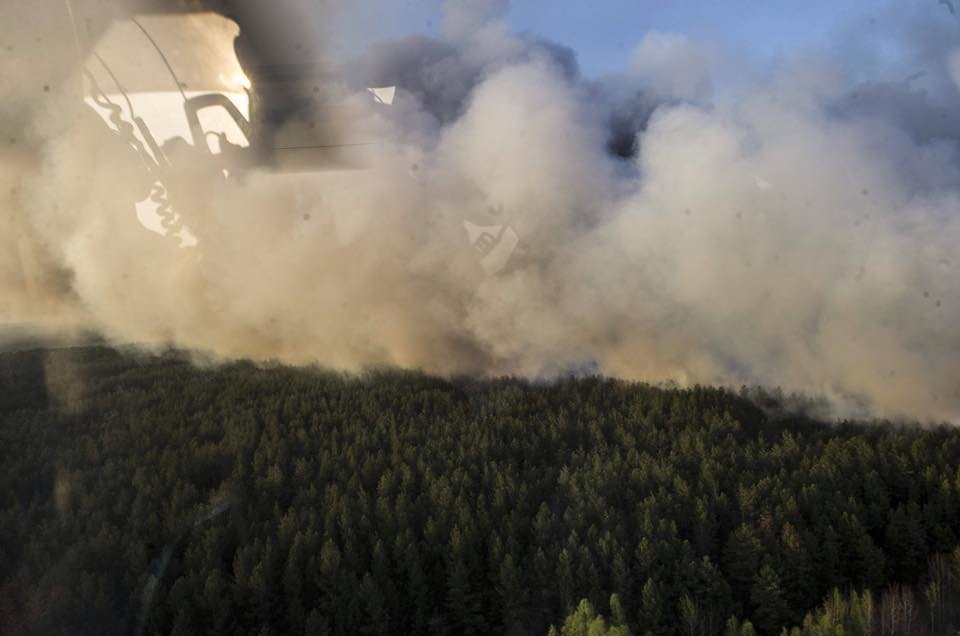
[696,217]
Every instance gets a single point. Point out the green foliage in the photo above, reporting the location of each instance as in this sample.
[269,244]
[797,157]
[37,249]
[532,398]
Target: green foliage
[736,628]
[840,616]
[244,499]
[586,622]
[899,610]
[767,597]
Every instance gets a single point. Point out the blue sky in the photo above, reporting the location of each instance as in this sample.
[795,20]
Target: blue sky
[603,32]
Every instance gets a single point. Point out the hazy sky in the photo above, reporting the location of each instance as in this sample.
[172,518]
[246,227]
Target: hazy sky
[603,32]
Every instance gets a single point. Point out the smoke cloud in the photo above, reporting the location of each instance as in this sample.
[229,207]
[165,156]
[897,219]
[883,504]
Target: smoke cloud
[796,225]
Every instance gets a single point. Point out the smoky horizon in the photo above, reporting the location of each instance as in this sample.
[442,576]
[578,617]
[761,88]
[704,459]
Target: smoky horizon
[463,198]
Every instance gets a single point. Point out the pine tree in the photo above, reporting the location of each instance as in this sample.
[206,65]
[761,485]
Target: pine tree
[767,598]
[741,560]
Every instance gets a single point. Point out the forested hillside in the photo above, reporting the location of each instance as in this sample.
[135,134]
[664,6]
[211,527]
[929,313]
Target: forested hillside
[147,493]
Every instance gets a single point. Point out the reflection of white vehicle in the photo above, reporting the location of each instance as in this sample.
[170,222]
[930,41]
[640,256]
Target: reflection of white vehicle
[173,88]
[181,96]
[186,92]
[180,74]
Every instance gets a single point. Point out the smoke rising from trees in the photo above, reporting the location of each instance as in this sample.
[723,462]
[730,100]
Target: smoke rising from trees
[695,217]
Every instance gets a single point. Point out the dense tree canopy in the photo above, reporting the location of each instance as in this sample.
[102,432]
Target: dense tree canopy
[150,493]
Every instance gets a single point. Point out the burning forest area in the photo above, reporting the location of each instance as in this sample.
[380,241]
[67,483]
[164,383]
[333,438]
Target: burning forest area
[477,316]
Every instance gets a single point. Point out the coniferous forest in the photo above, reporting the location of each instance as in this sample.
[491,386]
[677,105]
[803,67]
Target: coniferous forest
[149,494]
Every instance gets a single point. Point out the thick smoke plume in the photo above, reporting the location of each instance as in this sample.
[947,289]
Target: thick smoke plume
[685,219]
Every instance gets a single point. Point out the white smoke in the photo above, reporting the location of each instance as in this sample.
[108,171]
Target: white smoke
[798,229]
